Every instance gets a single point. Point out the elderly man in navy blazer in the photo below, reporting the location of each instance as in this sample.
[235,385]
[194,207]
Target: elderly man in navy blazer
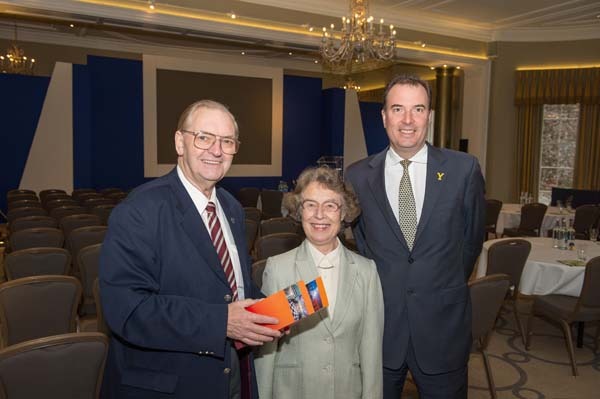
[175,276]
[422,221]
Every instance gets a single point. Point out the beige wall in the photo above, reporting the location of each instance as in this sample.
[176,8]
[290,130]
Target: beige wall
[501,143]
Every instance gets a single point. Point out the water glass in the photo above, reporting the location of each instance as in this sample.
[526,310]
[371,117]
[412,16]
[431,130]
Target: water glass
[581,255]
[593,234]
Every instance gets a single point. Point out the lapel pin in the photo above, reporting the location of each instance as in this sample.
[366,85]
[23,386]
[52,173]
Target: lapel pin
[440,175]
[232,220]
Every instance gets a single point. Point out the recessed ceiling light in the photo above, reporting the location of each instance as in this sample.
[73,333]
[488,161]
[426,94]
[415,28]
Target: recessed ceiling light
[71,25]
[316,61]
[243,53]
[458,67]
[290,53]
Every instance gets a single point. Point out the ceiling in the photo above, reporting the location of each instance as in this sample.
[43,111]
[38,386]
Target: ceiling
[452,29]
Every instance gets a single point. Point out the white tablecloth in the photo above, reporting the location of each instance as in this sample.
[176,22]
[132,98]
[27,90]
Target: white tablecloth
[510,216]
[543,274]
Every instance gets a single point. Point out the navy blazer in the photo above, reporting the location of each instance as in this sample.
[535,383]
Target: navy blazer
[425,292]
[165,295]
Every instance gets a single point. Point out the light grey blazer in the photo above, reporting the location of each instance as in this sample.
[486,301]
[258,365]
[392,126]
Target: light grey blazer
[322,357]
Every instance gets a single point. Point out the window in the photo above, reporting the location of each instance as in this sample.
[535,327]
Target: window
[557,148]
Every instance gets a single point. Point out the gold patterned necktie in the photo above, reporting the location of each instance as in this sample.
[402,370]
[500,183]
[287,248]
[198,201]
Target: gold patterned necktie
[407,210]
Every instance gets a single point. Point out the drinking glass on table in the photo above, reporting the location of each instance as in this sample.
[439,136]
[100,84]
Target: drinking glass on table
[593,234]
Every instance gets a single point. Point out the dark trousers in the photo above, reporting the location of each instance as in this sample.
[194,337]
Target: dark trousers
[451,385]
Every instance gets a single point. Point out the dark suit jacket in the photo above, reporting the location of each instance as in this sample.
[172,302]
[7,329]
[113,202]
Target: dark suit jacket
[165,295]
[425,293]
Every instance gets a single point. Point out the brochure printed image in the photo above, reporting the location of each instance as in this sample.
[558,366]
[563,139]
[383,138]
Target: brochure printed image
[293,303]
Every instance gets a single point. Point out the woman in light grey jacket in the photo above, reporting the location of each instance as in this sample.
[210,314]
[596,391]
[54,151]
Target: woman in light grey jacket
[335,353]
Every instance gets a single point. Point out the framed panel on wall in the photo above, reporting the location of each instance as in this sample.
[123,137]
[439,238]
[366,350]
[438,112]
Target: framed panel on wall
[254,95]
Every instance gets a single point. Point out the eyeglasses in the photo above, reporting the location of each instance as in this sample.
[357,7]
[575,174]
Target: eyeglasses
[328,207]
[205,140]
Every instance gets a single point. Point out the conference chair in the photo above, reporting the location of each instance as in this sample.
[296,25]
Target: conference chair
[585,218]
[21,197]
[509,257]
[65,366]
[44,193]
[37,262]
[91,203]
[532,216]
[72,222]
[251,233]
[116,197]
[88,266]
[274,244]
[78,192]
[82,197]
[248,196]
[101,325]
[271,203]
[36,237]
[110,190]
[14,214]
[55,196]
[279,225]
[38,306]
[20,191]
[81,238]
[566,310]
[492,211]
[28,222]
[252,213]
[59,202]
[487,296]
[258,268]
[23,203]
[62,211]
[103,212]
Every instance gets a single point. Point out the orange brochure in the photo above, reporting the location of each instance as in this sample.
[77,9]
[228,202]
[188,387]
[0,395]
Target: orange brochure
[293,303]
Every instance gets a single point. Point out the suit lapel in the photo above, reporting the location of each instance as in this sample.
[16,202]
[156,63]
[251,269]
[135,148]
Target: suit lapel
[434,186]
[376,180]
[307,270]
[346,283]
[192,224]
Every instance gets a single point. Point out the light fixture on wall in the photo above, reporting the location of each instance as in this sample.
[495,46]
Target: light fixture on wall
[350,83]
[359,40]
[15,61]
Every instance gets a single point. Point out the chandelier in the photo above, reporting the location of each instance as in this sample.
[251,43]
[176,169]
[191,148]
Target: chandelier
[15,61]
[359,39]
[351,84]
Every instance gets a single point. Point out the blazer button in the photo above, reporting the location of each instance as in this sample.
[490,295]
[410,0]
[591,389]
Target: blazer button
[226,370]
[410,291]
[227,298]
[410,260]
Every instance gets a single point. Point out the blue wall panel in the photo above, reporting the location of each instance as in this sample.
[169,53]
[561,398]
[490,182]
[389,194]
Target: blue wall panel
[334,105]
[375,135]
[82,128]
[21,104]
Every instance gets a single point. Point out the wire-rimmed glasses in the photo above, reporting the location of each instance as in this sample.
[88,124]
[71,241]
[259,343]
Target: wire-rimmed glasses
[205,140]
[328,207]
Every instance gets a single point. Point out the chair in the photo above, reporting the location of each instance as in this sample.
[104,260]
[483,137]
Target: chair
[29,222]
[72,222]
[532,216]
[58,367]
[36,237]
[78,192]
[62,211]
[20,191]
[86,196]
[253,214]
[275,244]
[81,238]
[88,266]
[14,214]
[248,196]
[110,190]
[258,268]
[271,203]
[101,325]
[492,211]
[23,203]
[509,257]
[21,197]
[487,296]
[116,197]
[37,262]
[38,306]
[59,202]
[90,203]
[251,233]
[566,310]
[585,218]
[55,196]
[44,193]
[103,212]
[279,225]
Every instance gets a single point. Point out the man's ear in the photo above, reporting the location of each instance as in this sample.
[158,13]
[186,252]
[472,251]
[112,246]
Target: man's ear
[179,145]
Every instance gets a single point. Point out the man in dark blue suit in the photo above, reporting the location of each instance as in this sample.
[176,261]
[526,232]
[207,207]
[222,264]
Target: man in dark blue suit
[168,293]
[422,221]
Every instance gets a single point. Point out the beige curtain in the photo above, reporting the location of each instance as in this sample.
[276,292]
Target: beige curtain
[558,86]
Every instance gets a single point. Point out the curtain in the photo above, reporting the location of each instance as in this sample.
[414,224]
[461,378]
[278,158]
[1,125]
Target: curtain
[558,86]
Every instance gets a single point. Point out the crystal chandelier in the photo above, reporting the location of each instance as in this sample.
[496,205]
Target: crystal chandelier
[15,61]
[359,40]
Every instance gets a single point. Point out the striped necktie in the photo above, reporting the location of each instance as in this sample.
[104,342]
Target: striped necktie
[407,210]
[216,234]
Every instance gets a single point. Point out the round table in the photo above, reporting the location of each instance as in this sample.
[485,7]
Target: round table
[510,216]
[543,274]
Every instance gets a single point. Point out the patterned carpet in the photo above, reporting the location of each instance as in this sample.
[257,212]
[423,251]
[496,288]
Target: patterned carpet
[543,372]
